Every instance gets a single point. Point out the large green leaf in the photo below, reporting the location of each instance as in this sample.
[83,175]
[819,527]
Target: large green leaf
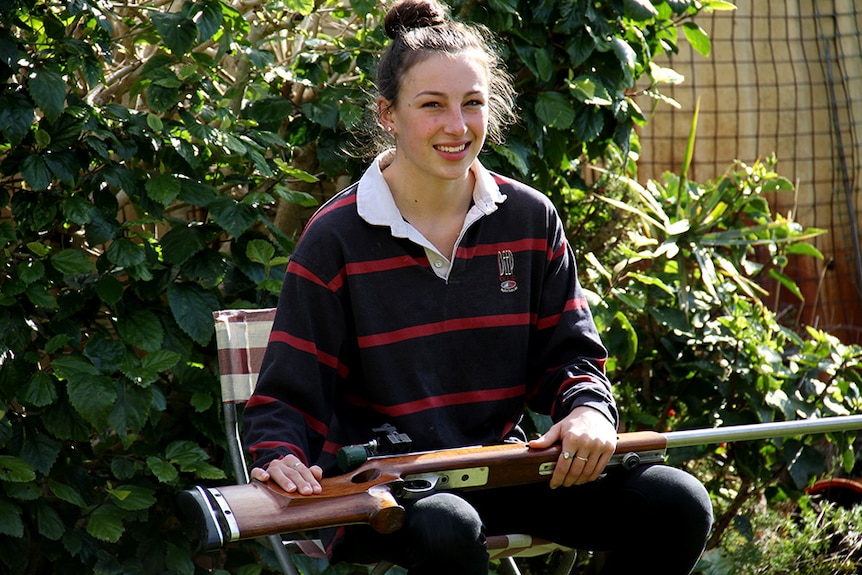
[48,90]
[179,560]
[233,216]
[191,458]
[64,165]
[192,308]
[271,109]
[40,451]
[16,116]
[106,523]
[555,110]
[71,261]
[76,209]
[131,409]
[93,397]
[177,31]
[627,57]
[73,367]
[324,111]
[125,253]
[41,390]
[587,123]
[163,188]
[36,172]
[639,9]
[697,37]
[49,522]
[208,17]
[144,371]
[260,251]
[132,497]
[66,493]
[10,519]
[15,469]
[63,422]
[109,289]
[141,328]
[164,471]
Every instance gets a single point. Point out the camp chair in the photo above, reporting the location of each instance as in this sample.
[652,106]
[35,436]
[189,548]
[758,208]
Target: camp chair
[241,337]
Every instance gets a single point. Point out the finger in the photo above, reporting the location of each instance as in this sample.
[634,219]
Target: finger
[279,472]
[309,479]
[302,476]
[546,439]
[594,466]
[561,469]
[579,471]
[291,474]
[260,474]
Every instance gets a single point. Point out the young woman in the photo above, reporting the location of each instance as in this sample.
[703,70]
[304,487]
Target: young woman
[443,299]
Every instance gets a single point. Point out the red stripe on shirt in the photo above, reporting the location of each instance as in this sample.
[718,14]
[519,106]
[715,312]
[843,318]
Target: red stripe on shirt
[524,245]
[347,200]
[313,423]
[303,272]
[552,255]
[572,304]
[449,325]
[448,400]
[384,264]
[305,345]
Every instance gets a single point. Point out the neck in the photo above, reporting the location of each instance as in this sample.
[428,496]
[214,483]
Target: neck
[421,198]
[437,209]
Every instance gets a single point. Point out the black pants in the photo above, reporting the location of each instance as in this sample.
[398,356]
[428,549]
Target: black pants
[654,519]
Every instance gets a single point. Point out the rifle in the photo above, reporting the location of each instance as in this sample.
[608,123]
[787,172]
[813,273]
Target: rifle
[370,492]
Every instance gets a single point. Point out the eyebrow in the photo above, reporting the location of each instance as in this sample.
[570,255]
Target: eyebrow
[443,94]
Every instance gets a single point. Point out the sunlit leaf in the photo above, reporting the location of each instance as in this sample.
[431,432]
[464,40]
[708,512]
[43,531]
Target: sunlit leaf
[48,89]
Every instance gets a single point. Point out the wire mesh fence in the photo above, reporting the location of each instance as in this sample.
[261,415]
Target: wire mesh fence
[783,77]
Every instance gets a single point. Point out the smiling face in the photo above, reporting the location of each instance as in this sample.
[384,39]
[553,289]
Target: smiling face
[440,119]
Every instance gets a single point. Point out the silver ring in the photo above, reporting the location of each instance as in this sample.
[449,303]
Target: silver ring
[297,464]
[566,455]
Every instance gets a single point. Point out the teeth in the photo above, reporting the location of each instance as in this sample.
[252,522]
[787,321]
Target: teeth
[452,150]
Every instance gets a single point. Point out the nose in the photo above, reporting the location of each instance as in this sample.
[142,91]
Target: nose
[455,122]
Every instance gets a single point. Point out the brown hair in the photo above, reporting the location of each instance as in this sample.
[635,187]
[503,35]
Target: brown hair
[419,28]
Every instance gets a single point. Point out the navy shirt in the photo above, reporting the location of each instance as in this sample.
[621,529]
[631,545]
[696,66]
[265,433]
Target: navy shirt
[369,332]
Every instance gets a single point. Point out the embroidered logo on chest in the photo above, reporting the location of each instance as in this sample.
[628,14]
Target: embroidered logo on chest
[506,266]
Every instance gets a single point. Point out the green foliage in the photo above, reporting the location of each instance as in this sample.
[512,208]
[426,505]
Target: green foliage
[143,156]
[578,69]
[815,538]
[692,343]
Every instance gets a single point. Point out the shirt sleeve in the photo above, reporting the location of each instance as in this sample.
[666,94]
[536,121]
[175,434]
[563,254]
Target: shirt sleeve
[572,355]
[290,411]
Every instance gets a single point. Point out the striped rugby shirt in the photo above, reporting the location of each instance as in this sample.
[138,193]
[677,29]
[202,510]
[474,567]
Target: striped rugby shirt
[369,332]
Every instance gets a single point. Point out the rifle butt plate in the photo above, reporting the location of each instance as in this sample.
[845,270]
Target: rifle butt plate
[210,515]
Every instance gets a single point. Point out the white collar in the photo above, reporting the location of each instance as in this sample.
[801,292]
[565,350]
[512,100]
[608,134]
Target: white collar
[376,205]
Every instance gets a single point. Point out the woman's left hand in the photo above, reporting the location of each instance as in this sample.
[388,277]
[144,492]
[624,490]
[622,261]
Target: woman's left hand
[588,441]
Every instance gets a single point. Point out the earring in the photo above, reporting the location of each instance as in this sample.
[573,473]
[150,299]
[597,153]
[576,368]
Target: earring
[389,129]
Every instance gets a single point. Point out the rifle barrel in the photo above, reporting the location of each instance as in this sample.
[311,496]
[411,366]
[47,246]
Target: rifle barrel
[688,438]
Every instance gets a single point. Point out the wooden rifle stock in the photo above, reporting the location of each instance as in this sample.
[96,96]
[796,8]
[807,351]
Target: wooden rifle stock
[370,493]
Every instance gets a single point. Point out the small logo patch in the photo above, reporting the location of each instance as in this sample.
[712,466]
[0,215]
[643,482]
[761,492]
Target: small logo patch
[506,267]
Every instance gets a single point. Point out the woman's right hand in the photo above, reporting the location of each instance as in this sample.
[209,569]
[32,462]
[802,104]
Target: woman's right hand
[292,475]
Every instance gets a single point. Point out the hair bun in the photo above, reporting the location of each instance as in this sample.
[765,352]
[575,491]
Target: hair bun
[412,14]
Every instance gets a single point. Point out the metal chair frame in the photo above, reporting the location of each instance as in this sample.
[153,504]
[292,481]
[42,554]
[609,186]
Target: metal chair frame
[241,337]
